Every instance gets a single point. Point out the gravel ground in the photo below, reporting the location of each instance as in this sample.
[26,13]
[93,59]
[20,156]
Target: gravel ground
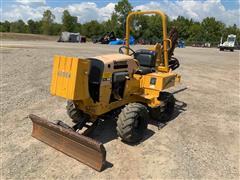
[201,142]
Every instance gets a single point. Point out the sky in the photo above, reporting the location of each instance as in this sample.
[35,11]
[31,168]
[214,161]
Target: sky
[227,11]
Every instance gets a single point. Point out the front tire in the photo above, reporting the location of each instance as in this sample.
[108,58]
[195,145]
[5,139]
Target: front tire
[132,122]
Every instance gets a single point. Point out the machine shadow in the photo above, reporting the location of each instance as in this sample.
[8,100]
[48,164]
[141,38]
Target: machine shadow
[108,126]
[180,107]
[107,165]
[105,131]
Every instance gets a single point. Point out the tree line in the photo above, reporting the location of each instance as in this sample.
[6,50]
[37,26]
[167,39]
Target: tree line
[143,27]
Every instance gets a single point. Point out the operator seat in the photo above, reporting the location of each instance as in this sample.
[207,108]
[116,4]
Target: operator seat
[147,60]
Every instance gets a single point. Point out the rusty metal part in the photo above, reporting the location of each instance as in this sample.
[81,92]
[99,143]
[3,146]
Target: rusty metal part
[173,36]
[73,144]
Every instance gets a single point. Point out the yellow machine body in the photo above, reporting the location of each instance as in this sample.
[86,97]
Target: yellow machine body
[70,81]
[70,77]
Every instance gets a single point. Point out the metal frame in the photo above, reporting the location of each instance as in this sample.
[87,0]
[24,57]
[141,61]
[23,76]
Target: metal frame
[164,68]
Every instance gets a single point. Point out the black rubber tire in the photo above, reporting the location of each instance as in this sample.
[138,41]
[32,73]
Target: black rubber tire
[231,50]
[132,122]
[73,112]
[164,113]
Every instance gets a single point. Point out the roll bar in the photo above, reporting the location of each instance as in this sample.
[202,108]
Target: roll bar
[164,28]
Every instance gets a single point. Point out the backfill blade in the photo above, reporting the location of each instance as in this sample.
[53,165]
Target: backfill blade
[73,144]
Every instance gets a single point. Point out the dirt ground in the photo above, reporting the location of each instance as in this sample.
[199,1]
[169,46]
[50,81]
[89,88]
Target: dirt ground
[27,37]
[200,142]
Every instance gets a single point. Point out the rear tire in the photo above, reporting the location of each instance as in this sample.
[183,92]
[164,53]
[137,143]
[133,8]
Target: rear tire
[73,112]
[132,122]
[164,113]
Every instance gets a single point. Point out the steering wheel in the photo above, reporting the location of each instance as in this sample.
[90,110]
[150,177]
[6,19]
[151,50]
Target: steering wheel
[120,50]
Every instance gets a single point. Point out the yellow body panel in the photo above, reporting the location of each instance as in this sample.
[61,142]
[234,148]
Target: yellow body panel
[95,109]
[70,78]
[70,81]
[137,89]
[157,81]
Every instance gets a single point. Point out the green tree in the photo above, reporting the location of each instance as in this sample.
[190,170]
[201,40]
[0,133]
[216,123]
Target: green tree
[139,25]
[56,29]
[5,26]
[213,29]
[115,26]
[78,27]
[122,8]
[148,28]
[47,22]
[31,26]
[92,28]
[196,32]
[231,30]
[183,25]
[111,24]
[69,22]
[34,27]
[155,28]
[18,27]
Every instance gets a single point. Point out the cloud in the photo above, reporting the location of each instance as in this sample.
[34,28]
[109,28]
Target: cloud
[24,12]
[197,10]
[87,11]
[90,11]
[32,2]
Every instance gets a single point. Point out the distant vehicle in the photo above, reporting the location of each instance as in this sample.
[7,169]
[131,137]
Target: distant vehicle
[71,37]
[105,38]
[120,41]
[181,43]
[229,44]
